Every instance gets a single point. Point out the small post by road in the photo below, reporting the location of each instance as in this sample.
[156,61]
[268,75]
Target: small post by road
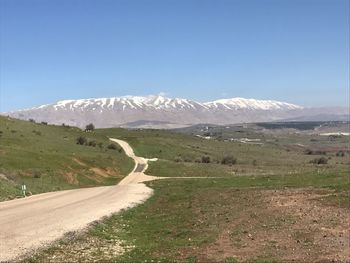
[24,188]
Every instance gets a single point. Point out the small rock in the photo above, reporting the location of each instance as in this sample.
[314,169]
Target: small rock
[250,236]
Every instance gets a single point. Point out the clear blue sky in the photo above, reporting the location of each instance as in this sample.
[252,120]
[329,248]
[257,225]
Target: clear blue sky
[289,50]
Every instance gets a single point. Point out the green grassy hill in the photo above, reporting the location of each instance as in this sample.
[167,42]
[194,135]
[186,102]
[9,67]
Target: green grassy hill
[282,154]
[47,158]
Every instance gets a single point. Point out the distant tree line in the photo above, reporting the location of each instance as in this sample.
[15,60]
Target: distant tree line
[225,160]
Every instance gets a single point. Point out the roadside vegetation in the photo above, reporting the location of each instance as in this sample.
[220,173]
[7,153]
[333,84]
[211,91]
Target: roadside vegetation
[49,158]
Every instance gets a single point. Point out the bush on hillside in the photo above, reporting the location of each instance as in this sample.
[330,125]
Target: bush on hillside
[178,159]
[340,154]
[187,160]
[37,132]
[44,123]
[112,146]
[314,152]
[228,160]
[321,160]
[100,145]
[92,143]
[206,159]
[198,160]
[81,140]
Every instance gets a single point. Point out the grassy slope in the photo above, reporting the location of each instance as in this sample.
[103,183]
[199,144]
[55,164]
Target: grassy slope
[47,158]
[273,157]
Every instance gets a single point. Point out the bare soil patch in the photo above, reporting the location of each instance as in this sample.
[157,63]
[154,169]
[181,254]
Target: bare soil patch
[71,178]
[102,172]
[286,225]
[79,162]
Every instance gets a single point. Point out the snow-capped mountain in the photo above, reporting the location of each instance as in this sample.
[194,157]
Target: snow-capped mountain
[251,104]
[158,111]
[123,103]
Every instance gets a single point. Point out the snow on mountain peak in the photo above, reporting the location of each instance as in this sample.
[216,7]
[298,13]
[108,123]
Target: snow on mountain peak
[159,102]
[252,104]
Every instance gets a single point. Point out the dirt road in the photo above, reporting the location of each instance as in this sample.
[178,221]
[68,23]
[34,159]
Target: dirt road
[27,224]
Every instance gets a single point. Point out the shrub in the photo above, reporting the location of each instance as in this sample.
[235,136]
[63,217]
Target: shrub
[187,160]
[112,146]
[308,152]
[315,152]
[44,122]
[81,140]
[178,159]
[198,160]
[92,143]
[90,127]
[37,133]
[206,159]
[321,160]
[342,154]
[228,160]
[32,120]
[37,174]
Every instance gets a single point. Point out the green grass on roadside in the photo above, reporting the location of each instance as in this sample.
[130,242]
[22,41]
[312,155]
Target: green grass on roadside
[47,158]
[186,216]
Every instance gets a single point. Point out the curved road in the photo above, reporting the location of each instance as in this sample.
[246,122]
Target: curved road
[28,223]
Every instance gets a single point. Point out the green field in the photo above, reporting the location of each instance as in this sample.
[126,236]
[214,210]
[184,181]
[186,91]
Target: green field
[277,208]
[47,158]
[217,220]
[180,154]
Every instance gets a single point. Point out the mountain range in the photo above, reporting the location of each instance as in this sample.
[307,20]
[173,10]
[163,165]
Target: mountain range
[163,112]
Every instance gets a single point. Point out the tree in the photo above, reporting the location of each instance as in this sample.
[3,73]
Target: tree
[90,127]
